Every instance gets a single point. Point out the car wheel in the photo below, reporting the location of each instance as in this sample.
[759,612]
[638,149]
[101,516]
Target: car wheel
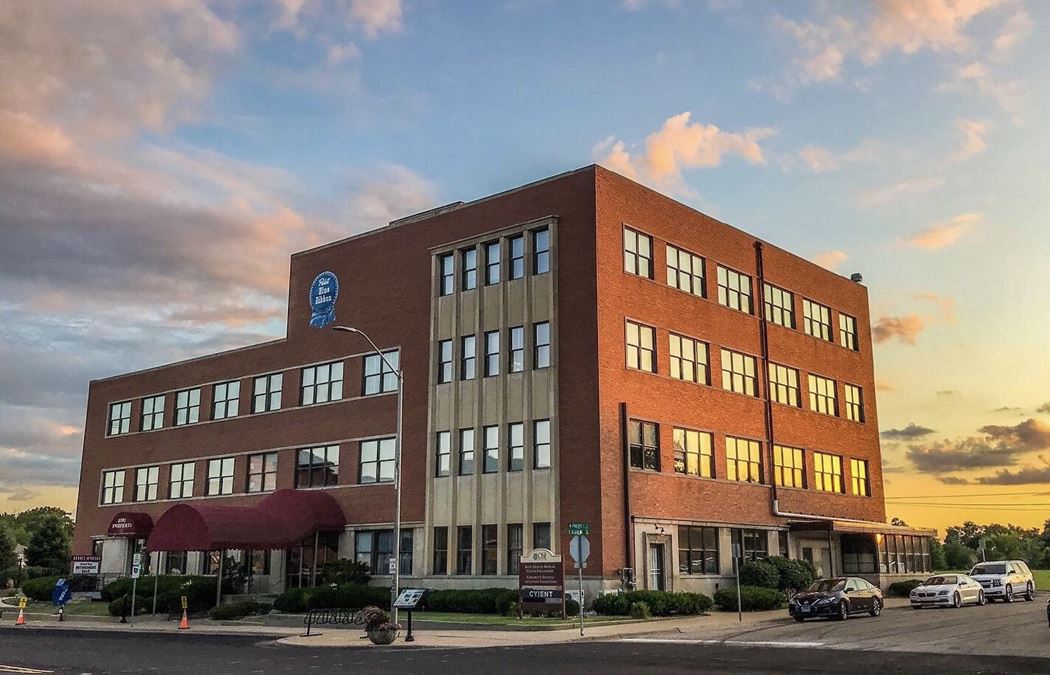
[1009,595]
[876,607]
[1029,593]
[800,619]
[843,611]
[981,600]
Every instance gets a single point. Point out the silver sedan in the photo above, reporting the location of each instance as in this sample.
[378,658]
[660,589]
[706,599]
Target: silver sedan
[947,590]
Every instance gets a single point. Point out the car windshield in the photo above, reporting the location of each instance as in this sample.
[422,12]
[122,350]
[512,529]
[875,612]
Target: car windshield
[827,586]
[988,569]
[941,581]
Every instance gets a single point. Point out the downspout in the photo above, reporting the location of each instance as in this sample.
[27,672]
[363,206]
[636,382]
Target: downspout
[627,518]
[766,398]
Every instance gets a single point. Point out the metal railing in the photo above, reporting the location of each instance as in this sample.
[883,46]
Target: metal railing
[333,617]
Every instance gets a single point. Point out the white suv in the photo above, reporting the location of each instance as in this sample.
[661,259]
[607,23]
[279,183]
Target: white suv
[1005,580]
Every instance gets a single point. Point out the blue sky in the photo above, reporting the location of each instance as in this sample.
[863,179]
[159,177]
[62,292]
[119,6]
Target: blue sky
[141,142]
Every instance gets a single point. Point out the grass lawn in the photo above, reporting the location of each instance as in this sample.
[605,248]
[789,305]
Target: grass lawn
[1042,579]
[79,608]
[499,620]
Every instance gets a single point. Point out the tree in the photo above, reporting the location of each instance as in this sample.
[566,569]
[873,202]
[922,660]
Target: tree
[32,519]
[49,544]
[8,558]
[957,556]
[937,559]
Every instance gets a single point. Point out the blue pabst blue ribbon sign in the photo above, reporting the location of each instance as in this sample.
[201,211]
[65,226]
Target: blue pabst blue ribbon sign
[323,293]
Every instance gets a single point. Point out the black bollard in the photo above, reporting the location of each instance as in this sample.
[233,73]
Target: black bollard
[124,609]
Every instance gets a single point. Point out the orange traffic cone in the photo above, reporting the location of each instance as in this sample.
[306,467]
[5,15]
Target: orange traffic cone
[21,620]
[185,623]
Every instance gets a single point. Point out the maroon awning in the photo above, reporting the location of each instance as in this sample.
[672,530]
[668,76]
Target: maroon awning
[130,524]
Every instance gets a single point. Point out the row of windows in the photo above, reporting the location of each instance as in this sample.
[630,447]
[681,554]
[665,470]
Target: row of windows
[689,361]
[488,546]
[698,547]
[494,262]
[514,442]
[694,456]
[687,272]
[493,362]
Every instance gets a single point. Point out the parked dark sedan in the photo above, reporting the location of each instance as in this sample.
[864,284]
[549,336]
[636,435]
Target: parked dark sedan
[837,598]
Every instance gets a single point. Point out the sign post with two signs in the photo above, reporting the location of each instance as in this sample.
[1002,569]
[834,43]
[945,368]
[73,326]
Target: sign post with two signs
[580,551]
[541,583]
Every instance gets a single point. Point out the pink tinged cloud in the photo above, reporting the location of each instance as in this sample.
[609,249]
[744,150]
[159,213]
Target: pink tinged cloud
[903,328]
[376,16]
[830,259]
[941,235]
[973,143]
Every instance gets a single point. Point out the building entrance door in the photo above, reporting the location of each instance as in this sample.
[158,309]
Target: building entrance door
[820,556]
[656,567]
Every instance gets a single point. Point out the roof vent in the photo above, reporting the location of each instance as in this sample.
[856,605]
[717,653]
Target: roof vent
[857,277]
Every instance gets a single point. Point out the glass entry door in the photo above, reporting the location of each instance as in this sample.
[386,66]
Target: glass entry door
[656,567]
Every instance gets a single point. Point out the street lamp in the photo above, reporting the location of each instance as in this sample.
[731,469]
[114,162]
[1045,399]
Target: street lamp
[396,588]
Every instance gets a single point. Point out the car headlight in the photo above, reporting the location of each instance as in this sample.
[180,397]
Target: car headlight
[943,593]
[997,582]
[824,601]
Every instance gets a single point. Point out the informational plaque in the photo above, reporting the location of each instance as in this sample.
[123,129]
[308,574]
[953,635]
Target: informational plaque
[541,582]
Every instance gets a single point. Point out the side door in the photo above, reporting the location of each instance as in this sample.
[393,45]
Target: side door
[968,589]
[857,599]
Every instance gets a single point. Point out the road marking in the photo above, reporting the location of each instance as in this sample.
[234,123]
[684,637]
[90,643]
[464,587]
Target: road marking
[20,669]
[730,643]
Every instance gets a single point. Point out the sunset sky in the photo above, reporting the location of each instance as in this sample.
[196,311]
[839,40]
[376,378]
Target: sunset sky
[159,161]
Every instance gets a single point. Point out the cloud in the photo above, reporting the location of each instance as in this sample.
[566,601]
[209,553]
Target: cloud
[377,16]
[945,306]
[973,143]
[885,385]
[908,433]
[822,160]
[943,234]
[1025,476]
[953,480]
[317,19]
[946,392]
[1031,434]
[830,259]
[996,445]
[978,79]
[905,328]
[1044,409]
[900,191]
[1008,408]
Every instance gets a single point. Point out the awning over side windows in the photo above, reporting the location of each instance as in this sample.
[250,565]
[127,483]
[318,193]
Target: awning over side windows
[130,524]
[864,527]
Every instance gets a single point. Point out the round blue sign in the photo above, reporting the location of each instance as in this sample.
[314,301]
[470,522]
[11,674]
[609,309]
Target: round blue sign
[323,293]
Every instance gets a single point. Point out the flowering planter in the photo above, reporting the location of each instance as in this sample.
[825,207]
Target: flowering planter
[383,636]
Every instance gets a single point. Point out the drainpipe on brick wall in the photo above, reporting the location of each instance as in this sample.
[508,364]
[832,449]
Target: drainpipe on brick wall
[767,399]
[627,517]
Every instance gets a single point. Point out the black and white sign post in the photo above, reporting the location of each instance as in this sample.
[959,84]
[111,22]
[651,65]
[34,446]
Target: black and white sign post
[580,550]
[736,564]
[136,570]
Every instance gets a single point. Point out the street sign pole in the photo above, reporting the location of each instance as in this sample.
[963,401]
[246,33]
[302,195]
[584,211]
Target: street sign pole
[736,567]
[581,597]
[580,550]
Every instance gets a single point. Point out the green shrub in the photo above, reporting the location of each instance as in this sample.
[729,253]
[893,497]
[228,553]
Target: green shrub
[345,571]
[640,610]
[40,588]
[660,603]
[752,598]
[902,589]
[611,604]
[483,601]
[344,596]
[759,573]
[292,601]
[238,610]
[199,591]
[794,574]
[142,606]
[572,608]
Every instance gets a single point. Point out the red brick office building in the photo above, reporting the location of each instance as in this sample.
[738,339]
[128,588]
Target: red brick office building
[578,349]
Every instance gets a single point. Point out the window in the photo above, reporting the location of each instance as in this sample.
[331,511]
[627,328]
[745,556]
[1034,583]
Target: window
[492,353]
[444,453]
[464,550]
[743,460]
[146,479]
[188,407]
[491,462]
[858,469]
[827,470]
[541,444]
[180,482]
[220,476]
[541,251]
[466,452]
[377,461]
[444,373]
[152,413]
[262,472]
[515,546]
[322,383]
[225,400]
[516,446]
[637,253]
[782,544]
[467,357]
[697,550]
[541,350]
[119,418]
[854,399]
[379,377]
[754,544]
[541,535]
[266,393]
[517,256]
[175,563]
[492,260]
[779,305]
[685,271]
[688,359]
[112,487]
[516,355]
[789,469]
[375,548]
[317,467]
[643,439]
[489,549]
[848,332]
[446,268]
[822,395]
[783,385]
[816,319]
[738,373]
[693,453]
[469,258]
[641,347]
[440,551]
[734,290]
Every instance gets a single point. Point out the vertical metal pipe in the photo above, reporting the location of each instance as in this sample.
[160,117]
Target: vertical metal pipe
[764,338]
[395,589]
[218,581]
[313,569]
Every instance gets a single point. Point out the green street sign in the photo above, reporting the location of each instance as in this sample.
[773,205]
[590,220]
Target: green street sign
[579,528]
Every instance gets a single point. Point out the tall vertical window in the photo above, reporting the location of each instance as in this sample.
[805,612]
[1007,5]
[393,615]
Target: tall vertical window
[515,446]
[467,357]
[378,377]
[693,453]
[789,469]
[858,469]
[444,371]
[317,467]
[517,256]
[541,345]
[377,461]
[685,271]
[541,251]
[854,398]
[783,385]
[753,544]
[643,440]
[180,482]
[466,452]
[491,461]
[146,479]
[489,549]
[738,373]
[262,472]
[637,253]
[225,400]
[641,347]
[697,550]
[743,460]
[440,551]
[446,268]
[515,546]
[492,353]
[688,359]
[443,448]
[464,550]
[405,552]
[492,263]
[220,476]
[822,395]
[469,258]
[734,290]
[113,487]
[119,418]
[541,535]
[266,392]
[516,352]
[816,319]
[779,305]
[188,407]
[827,470]
[152,413]
[541,444]
[322,383]
[848,332]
